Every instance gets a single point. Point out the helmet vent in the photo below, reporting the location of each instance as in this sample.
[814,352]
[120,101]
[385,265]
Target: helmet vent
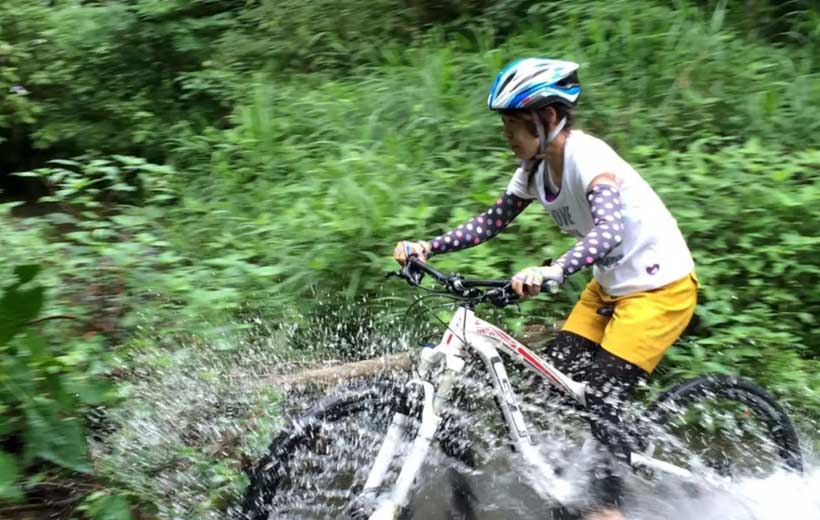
[506,82]
[527,78]
[569,81]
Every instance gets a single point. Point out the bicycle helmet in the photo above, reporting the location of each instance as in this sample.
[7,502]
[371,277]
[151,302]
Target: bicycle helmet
[533,83]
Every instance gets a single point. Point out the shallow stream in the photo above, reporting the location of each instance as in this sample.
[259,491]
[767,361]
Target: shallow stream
[196,418]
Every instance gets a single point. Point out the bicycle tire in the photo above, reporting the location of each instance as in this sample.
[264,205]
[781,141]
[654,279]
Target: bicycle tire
[779,428]
[275,466]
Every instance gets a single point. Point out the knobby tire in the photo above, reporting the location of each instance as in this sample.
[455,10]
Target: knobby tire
[780,429]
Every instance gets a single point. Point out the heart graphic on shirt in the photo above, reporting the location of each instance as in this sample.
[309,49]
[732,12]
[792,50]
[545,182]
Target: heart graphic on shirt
[652,269]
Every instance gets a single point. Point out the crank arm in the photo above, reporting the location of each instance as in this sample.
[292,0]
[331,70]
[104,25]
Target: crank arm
[637,459]
[645,461]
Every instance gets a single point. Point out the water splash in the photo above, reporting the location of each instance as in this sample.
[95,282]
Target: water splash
[196,418]
[782,495]
[198,413]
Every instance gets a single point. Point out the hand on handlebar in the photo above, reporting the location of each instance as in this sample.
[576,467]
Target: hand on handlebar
[532,280]
[412,269]
[407,248]
[495,292]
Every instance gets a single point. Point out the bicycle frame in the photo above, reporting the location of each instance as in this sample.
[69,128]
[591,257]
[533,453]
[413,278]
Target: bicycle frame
[466,331]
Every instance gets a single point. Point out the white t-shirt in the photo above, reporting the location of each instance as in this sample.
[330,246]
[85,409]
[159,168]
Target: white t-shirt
[652,253]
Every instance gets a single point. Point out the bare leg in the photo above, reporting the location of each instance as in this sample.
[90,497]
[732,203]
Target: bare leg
[605,514]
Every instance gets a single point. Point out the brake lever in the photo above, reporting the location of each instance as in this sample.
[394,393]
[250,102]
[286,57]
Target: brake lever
[413,277]
[502,296]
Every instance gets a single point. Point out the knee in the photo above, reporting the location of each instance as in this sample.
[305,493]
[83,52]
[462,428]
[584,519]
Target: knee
[572,354]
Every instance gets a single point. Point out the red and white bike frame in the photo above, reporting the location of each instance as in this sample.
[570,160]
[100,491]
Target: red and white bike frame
[466,331]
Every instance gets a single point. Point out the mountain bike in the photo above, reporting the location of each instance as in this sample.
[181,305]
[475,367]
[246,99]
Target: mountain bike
[385,431]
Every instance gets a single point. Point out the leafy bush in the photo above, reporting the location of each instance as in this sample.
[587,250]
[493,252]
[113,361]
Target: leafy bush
[108,238]
[299,147]
[46,389]
[128,77]
[103,76]
[744,212]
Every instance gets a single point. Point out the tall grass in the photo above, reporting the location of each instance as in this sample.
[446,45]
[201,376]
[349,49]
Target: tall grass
[319,176]
[338,146]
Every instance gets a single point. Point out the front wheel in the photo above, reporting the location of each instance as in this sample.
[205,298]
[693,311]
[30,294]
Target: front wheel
[318,466]
[726,424]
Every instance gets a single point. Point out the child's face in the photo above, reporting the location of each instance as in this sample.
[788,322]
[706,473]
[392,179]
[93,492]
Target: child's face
[519,133]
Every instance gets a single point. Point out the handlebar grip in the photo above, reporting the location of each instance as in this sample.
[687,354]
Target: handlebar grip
[416,262]
[550,286]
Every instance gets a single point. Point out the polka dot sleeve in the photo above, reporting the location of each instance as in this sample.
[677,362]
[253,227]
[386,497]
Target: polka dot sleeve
[605,204]
[481,228]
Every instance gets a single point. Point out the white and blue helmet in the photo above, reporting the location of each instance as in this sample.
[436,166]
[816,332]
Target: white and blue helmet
[533,83]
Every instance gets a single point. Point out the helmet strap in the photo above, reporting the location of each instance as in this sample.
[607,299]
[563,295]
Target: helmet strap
[544,141]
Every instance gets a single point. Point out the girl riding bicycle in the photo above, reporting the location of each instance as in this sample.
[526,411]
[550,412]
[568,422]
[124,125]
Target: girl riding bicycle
[644,289]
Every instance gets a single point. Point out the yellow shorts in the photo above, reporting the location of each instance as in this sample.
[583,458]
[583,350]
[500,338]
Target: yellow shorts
[644,324]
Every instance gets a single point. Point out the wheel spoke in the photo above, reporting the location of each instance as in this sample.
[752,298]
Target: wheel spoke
[724,426]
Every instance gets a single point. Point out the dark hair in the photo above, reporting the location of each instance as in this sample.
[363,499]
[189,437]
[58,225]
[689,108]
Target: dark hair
[562,110]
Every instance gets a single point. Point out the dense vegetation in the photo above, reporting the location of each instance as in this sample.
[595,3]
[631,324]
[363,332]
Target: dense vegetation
[181,168]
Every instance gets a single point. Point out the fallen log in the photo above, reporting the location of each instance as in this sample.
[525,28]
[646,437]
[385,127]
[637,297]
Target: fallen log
[534,336]
[331,375]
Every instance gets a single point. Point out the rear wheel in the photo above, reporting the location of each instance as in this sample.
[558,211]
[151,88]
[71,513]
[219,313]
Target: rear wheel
[723,424]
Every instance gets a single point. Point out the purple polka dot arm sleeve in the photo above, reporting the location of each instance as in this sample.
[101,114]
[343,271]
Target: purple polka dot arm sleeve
[481,228]
[605,203]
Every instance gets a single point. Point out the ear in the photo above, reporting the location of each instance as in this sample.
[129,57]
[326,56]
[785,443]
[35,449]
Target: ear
[550,116]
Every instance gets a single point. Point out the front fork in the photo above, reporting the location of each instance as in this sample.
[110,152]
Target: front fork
[543,477]
[434,401]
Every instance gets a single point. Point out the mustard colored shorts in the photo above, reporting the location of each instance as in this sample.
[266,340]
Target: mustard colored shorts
[644,324]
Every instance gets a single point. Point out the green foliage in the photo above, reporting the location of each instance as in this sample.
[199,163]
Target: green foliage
[102,505]
[46,389]
[110,82]
[9,473]
[125,70]
[313,178]
[744,211]
[237,160]
[792,21]
[720,83]
[19,306]
[43,389]
[105,235]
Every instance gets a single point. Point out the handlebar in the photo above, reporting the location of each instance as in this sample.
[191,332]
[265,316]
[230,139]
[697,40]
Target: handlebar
[500,292]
